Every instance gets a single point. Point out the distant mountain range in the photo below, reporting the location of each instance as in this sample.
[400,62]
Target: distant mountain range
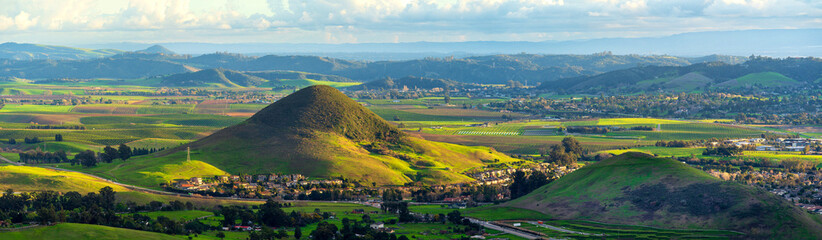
[767,42]
[24,51]
[219,77]
[492,69]
[409,82]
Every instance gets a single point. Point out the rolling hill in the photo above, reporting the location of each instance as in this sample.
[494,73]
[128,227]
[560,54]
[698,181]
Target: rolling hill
[157,49]
[25,51]
[212,77]
[756,73]
[223,78]
[638,189]
[320,132]
[410,82]
[83,232]
[30,179]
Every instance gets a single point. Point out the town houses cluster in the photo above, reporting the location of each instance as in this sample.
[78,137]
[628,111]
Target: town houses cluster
[806,145]
[264,183]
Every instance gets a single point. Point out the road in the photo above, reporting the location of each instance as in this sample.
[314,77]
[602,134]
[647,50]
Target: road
[504,229]
[559,229]
[9,161]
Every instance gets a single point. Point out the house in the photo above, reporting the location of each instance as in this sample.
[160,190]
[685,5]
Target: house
[223,179]
[377,225]
[244,228]
[262,178]
[766,148]
[196,180]
[235,178]
[248,178]
[358,211]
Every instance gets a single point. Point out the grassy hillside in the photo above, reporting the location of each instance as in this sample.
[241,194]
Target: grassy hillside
[150,171]
[33,179]
[212,78]
[320,132]
[76,231]
[638,189]
[762,79]
[29,179]
[409,82]
[26,51]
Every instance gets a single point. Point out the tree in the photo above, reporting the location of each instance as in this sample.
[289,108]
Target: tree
[58,137]
[298,233]
[86,158]
[282,233]
[324,231]
[12,141]
[455,217]
[560,156]
[519,187]
[221,235]
[124,152]
[572,146]
[271,214]
[109,154]
[107,198]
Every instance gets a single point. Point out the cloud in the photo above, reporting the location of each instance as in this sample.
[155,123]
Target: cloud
[398,20]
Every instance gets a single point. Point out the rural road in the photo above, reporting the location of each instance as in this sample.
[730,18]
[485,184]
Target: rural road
[559,229]
[9,161]
[504,229]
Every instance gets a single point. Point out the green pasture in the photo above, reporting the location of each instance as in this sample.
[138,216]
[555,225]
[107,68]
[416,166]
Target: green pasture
[29,108]
[183,215]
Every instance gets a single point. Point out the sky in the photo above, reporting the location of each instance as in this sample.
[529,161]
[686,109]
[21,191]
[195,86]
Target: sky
[386,21]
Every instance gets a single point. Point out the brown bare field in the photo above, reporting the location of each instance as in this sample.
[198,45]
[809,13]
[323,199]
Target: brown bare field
[240,114]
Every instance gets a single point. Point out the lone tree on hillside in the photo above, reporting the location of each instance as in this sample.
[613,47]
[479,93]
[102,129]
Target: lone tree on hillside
[12,141]
[58,137]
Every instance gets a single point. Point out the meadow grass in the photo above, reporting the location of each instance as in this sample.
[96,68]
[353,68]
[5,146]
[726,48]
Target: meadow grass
[150,171]
[183,215]
[28,108]
[76,231]
[30,179]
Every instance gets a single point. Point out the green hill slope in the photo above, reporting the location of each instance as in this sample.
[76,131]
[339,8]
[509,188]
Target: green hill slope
[31,179]
[410,82]
[762,79]
[638,189]
[320,132]
[212,77]
[25,51]
[76,231]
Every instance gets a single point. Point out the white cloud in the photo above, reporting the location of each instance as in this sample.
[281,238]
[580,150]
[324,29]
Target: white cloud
[6,22]
[400,20]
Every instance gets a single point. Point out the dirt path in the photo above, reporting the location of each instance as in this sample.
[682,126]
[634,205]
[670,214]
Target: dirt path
[9,161]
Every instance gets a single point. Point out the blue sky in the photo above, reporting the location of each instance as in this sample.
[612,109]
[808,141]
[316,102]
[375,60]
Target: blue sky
[361,21]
